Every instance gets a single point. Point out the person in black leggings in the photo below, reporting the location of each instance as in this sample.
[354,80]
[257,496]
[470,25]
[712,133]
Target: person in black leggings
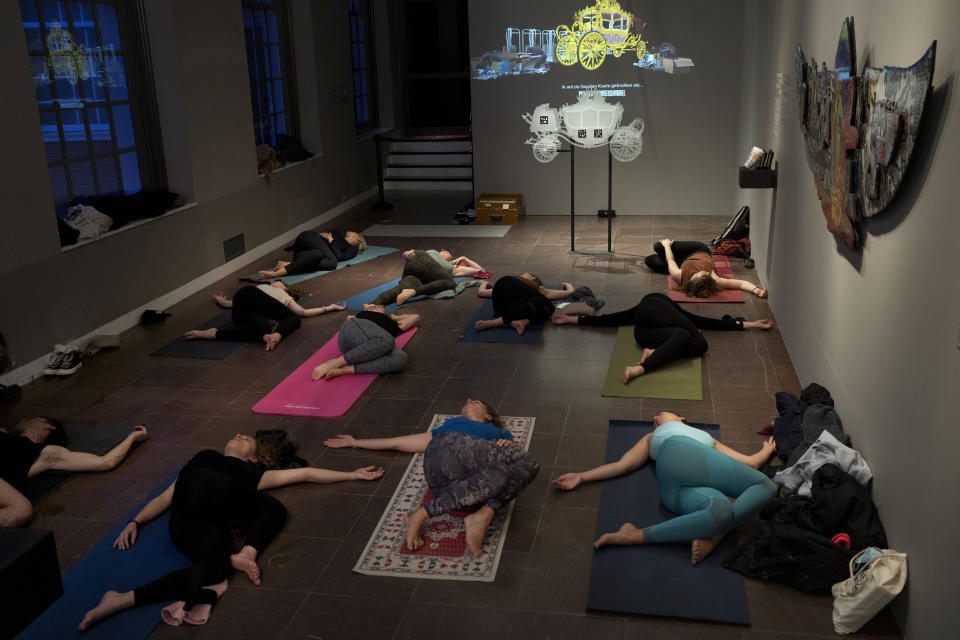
[663,330]
[213,492]
[267,312]
[314,251]
[519,301]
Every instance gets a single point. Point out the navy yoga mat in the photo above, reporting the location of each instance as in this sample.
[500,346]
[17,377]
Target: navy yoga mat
[180,347]
[657,579]
[103,568]
[505,334]
[88,437]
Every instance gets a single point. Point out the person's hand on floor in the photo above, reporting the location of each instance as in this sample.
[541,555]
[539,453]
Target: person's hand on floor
[568,481]
[340,441]
[368,473]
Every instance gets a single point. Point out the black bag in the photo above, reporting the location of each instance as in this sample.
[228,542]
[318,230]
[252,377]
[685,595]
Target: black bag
[738,228]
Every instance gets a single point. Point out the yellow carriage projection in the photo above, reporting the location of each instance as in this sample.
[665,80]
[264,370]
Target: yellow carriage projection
[596,31]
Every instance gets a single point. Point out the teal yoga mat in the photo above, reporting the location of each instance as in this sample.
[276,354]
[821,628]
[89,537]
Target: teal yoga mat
[371,253]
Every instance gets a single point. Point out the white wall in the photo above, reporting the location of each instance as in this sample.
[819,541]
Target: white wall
[881,328]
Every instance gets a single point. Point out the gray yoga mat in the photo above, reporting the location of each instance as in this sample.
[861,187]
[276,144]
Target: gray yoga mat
[88,437]
[657,579]
[180,347]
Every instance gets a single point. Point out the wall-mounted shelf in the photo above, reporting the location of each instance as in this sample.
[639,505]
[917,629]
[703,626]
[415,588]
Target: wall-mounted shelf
[758,178]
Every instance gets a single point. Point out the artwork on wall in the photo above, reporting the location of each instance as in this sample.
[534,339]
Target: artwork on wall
[603,29]
[859,131]
[591,122]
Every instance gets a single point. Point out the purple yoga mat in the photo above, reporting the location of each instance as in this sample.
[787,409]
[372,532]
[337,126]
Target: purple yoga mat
[299,395]
[722,266]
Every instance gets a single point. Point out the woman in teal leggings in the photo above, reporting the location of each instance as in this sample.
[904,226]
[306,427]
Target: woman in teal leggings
[698,477]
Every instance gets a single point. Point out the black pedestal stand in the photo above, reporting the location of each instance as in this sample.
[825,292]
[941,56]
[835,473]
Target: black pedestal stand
[607,213]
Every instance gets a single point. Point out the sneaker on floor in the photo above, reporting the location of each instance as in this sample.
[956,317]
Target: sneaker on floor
[54,362]
[71,362]
[9,392]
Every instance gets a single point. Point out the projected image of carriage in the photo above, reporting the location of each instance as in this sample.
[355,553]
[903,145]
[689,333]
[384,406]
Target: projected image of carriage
[591,122]
[596,31]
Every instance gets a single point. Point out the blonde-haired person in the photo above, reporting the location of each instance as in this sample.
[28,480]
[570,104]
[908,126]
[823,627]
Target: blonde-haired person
[214,491]
[318,251]
[468,461]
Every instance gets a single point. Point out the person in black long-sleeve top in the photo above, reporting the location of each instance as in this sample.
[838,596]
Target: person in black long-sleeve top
[313,251]
[663,330]
[211,493]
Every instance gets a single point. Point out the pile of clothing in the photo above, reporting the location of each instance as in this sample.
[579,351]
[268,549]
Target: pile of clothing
[90,217]
[807,538]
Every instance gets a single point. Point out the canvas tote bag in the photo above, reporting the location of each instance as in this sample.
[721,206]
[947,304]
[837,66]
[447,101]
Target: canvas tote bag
[874,581]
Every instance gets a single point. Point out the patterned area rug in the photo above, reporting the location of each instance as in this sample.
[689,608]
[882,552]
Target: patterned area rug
[444,555]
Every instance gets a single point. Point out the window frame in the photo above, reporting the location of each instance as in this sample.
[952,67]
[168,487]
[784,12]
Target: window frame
[364,14]
[141,99]
[288,72]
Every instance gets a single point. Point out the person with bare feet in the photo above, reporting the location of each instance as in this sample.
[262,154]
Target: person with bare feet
[267,312]
[36,445]
[366,344]
[698,478]
[689,265]
[213,492]
[519,301]
[663,330]
[468,461]
[313,251]
[426,273]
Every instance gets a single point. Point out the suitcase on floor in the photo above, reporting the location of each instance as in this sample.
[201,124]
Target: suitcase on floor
[499,208]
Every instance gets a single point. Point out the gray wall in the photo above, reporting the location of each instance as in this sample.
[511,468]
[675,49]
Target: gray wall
[204,98]
[691,145]
[879,329]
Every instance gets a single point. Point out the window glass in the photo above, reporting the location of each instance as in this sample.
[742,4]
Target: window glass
[265,29]
[358,16]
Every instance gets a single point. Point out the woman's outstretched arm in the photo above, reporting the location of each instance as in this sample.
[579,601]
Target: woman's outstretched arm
[757,460]
[316,311]
[282,477]
[636,457]
[222,300]
[485,290]
[414,443]
[743,285]
[557,294]
[150,511]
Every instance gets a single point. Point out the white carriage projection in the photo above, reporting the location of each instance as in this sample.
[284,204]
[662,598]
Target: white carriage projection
[591,122]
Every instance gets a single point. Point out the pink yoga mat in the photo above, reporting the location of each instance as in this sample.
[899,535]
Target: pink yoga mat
[299,395]
[722,266]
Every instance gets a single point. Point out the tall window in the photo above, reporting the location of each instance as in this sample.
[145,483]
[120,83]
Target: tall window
[361,52]
[97,113]
[266,28]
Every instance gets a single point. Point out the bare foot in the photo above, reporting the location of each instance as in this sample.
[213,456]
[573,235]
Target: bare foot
[626,534]
[762,323]
[244,562]
[220,298]
[520,325]
[480,325]
[201,334]
[414,522]
[760,293]
[405,295]
[631,372]
[337,372]
[476,524]
[266,273]
[282,264]
[702,547]
[321,370]
[111,603]
[647,352]
[272,340]
[564,319]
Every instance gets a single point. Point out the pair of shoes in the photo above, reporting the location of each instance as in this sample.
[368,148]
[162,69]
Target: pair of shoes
[9,392]
[63,362]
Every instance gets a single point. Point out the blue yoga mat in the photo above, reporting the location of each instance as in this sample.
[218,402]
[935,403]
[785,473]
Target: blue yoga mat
[366,297]
[371,253]
[104,568]
[657,579]
[505,334]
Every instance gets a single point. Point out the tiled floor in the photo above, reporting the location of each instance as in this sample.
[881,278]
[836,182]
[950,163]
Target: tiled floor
[309,590]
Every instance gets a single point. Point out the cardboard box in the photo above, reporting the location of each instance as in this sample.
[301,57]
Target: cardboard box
[499,208]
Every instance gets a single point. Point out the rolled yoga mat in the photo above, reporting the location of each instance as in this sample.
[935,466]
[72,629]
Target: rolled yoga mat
[88,437]
[721,264]
[371,253]
[180,347]
[657,579]
[677,380]
[102,568]
[300,395]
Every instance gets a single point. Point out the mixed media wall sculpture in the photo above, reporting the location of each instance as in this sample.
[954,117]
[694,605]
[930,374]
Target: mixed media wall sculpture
[859,131]
[591,122]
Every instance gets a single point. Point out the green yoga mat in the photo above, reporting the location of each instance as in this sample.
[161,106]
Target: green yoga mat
[678,380]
